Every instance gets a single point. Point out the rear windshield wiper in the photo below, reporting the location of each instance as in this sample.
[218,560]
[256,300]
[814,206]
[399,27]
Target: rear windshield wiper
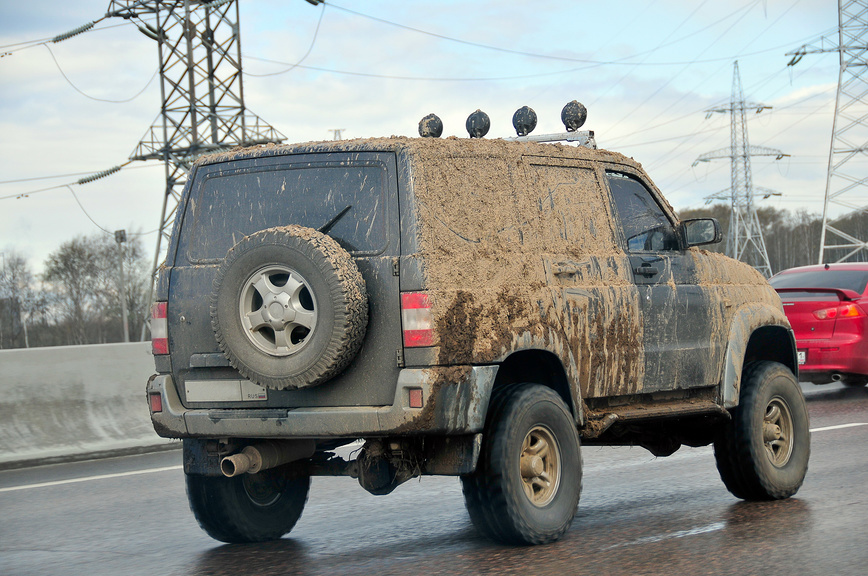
[326,228]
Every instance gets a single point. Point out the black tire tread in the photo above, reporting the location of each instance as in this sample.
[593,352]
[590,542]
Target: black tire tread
[740,466]
[222,512]
[485,493]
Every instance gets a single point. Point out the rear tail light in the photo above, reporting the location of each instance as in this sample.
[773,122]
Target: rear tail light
[156,402]
[417,319]
[842,311]
[159,328]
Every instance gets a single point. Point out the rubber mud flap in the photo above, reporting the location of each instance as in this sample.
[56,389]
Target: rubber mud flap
[289,307]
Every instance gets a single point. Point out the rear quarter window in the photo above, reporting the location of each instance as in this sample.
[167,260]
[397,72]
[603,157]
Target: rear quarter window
[229,202]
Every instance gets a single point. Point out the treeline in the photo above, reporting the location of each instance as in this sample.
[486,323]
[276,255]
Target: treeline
[77,297]
[792,238]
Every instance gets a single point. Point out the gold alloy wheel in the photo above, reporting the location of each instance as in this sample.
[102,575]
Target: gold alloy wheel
[540,465]
[778,431]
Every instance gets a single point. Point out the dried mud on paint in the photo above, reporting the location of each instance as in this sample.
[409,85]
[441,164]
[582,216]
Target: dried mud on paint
[496,236]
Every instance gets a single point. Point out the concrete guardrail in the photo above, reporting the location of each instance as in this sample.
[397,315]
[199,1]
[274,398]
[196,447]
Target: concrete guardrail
[75,402]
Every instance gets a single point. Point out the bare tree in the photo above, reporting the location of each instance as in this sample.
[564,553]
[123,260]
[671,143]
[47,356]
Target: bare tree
[17,300]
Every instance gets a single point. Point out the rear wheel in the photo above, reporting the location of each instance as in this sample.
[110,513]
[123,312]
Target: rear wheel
[249,507]
[763,452]
[529,478]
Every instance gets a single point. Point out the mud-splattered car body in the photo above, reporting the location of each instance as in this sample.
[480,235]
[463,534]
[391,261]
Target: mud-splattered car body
[558,265]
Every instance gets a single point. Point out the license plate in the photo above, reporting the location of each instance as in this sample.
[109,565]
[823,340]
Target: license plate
[801,354]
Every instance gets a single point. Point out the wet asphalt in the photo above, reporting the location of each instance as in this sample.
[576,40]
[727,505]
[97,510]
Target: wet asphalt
[638,515]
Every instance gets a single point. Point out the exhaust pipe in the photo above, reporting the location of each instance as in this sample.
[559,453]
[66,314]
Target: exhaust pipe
[266,455]
[837,377]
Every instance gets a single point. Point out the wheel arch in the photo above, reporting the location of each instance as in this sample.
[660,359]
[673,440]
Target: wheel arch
[544,368]
[757,332]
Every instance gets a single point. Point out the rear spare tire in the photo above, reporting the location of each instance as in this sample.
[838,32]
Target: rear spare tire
[289,307]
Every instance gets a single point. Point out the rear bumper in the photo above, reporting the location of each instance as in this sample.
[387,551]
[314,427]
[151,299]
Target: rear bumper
[455,401]
[823,358]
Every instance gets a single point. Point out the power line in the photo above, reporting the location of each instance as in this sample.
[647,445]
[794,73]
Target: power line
[36,178]
[76,88]
[625,61]
[306,54]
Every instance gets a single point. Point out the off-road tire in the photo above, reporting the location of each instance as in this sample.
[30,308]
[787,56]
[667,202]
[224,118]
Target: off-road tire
[753,463]
[331,286]
[496,494]
[247,508]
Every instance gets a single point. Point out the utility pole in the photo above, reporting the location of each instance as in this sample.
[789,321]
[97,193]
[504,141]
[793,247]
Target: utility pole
[201,88]
[846,178]
[120,238]
[745,239]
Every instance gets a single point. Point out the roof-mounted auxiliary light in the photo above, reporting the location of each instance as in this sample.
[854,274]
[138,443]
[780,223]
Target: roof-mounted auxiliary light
[478,124]
[524,120]
[573,116]
[431,126]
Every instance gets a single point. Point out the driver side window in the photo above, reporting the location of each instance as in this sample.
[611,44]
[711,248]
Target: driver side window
[645,226]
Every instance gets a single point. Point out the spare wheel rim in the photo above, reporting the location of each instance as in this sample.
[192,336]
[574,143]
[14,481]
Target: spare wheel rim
[278,310]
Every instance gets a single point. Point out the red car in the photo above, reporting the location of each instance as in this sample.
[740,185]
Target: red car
[827,306]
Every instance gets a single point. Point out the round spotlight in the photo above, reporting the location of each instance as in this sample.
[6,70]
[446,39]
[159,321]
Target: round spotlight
[478,124]
[430,126]
[524,120]
[574,115]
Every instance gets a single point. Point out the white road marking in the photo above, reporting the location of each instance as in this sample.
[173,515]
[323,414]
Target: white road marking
[672,535]
[89,478]
[839,426]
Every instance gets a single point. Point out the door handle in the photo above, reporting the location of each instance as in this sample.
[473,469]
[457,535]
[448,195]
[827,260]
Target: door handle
[646,270]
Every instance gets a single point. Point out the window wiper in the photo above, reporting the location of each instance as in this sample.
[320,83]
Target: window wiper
[326,228]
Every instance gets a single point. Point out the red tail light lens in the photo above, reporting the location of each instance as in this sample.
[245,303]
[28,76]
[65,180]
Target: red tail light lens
[156,402]
[417,319]
[842,311]
[159,328]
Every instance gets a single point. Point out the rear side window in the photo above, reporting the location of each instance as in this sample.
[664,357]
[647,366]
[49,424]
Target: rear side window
[645,225]
[346,198]
[854,280]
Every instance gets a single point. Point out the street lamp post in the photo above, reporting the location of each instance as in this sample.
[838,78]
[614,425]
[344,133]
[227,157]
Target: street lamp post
[120,238]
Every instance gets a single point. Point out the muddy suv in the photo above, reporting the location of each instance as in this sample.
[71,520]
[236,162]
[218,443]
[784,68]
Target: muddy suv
[464,307]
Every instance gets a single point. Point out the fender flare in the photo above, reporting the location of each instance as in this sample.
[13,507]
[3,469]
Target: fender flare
[745,322]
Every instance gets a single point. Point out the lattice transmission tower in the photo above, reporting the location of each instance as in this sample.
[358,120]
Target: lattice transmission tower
[847,174]
[201,88]
[745,239]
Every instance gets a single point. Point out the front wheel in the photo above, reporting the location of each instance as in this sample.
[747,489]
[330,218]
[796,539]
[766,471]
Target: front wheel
[763,452]
[529,478]
[249,507]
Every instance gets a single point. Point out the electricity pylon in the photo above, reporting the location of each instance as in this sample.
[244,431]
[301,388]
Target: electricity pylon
[847,173]
[745,239]
[202,111]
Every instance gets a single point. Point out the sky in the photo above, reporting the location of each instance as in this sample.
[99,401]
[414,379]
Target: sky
[646,70]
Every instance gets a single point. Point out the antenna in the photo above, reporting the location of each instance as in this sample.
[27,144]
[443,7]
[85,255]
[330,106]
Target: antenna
[745,239]
[846,181]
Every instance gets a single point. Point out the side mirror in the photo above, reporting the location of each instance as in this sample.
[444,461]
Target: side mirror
[699,231]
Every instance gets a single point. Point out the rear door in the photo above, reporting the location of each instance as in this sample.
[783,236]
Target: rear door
[354,197]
